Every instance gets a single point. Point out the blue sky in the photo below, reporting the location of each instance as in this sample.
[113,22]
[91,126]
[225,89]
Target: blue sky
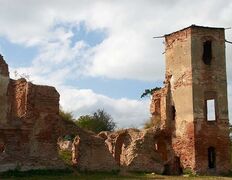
[101,54]
[16,54]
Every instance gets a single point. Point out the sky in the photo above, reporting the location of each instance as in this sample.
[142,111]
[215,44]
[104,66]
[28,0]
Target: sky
[100,54]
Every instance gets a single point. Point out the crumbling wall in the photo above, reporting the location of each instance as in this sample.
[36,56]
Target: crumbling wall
[140,154]
[4,81]
[3,67]
[30,127]
[128,150]
[91,153]
[134,150]
[29,124]
[178,68]
[161,107]
[17,93]
[64,145]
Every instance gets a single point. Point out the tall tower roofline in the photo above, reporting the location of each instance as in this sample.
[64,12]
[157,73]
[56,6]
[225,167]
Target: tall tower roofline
[194,26]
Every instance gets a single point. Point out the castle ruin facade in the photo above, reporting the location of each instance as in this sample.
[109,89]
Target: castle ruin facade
[190,117]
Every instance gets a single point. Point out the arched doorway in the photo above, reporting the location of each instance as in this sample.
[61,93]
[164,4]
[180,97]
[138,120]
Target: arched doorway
[118,147]
[161,148]
[211,157]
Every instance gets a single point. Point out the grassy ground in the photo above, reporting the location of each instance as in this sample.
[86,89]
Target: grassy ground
[73,175]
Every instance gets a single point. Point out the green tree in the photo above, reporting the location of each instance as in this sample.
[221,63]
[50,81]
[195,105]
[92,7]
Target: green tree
[149,91]
[67,116]
[97,122]
[85,122]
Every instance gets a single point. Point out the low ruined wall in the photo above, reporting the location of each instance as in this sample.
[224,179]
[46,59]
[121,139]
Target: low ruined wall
[92,154]
[134,150]
[138,153]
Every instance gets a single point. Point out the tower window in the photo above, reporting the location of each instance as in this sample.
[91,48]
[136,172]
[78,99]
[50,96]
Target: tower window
[207,52]
[211,157]
[211,113]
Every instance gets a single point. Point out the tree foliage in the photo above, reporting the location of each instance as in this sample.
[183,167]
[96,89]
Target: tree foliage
[67,116]
[148,124]
[149,91]
[97,122]
[86,122]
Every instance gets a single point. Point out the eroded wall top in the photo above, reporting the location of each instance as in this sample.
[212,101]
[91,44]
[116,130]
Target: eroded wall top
[3,67]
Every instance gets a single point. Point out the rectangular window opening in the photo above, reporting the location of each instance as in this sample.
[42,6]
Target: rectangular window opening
[207,52]
[211,113]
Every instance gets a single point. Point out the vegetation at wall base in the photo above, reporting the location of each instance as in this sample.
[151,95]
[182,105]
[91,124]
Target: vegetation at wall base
[188,172]
[39,172]
[72,174]
[66,156]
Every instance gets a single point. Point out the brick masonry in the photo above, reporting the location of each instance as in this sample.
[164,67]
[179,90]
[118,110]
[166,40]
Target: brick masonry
[189,84]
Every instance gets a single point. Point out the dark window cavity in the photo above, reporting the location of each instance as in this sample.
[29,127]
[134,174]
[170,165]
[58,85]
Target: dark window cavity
[207,52]
[211,157]
[173,112]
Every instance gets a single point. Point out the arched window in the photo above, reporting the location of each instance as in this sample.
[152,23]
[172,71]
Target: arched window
[211,157]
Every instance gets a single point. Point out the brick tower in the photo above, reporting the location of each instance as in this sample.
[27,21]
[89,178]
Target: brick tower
[198,108]
[192,108]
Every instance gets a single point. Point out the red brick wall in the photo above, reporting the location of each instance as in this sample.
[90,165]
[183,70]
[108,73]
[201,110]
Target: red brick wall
[212,134]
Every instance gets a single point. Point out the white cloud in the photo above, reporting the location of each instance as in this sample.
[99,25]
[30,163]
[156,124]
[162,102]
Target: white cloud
[127,56]
[129,52]
[125,112]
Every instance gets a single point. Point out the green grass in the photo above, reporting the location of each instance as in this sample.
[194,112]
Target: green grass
[69,174]
[73,174]
[66,156]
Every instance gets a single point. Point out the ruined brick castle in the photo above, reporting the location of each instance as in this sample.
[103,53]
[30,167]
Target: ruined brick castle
[190,116]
